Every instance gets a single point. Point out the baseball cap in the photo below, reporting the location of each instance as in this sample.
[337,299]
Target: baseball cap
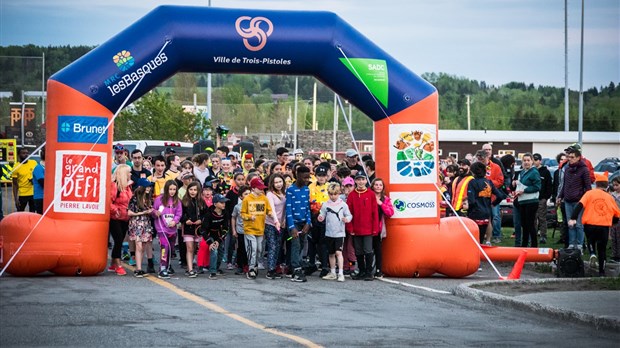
[144,183]
[537,157]
[187,175]
[169,150]
[298,152]
[249,157]
[219,198]
[118,148]
[348,181]
[257,183]
[464,161]
[351,153]
[601,177]
[360,175]
[320,171]
[573,147]
[234,154]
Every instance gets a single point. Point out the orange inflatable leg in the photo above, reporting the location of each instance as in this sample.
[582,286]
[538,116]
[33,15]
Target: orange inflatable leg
[63,247]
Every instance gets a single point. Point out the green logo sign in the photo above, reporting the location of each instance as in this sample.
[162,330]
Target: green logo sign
[373,73]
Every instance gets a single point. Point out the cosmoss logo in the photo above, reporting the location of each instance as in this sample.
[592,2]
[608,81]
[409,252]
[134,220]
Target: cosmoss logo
[123,60]
[254,37]
[420,204]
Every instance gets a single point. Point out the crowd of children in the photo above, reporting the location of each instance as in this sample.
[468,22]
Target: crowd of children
[290,217]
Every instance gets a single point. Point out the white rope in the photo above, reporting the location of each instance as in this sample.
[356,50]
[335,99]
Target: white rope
[468,231]
[57,194]
[362,81]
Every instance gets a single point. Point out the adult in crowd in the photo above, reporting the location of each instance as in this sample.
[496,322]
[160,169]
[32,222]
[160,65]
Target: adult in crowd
[493,173]
[352,162]
[575,183]
[497,217]
[527,190]
[201,167]
[23,189]
[546,186]
[459,186]
[137,170]
[38,182]
[120,195]
[562,220]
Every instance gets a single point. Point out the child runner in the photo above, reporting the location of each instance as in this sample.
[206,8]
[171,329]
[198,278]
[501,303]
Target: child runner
[478,205]
[233,197]
[254,210]
[615,229]
[316,241]
[167,211]
[193,210]
[158,177]
[215,228]
[365,224]
[335,213]
[140,227]
[120,195]
[277,201]
[600,212]
[236,223]
[348,251]
[386,210]
[298,219]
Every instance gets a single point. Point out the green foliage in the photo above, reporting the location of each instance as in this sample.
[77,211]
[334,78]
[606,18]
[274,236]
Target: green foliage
[156,118]
[241,101]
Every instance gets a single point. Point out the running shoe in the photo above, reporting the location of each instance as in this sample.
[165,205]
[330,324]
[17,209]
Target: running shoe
[132,262]
[163,275]
[213,276]
[112,268]
[271,275]
[139,273]
[324,272]
[252,274]
[120,271]
[170,271]
[230,266]
[299,277]
[593,261]
[378,274]
[193,274]
[340,278]
[330,276]
[369,277]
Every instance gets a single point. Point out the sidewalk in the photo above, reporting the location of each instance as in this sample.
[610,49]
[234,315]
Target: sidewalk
[600,309]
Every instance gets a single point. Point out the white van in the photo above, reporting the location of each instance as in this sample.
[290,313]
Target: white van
[156,147]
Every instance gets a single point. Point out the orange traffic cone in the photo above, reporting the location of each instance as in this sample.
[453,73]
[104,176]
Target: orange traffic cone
[517,268]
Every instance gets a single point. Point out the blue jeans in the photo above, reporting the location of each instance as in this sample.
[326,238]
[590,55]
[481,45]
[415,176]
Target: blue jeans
[297,245]
[516,220]
[216,258]
[497,221]
[575,233]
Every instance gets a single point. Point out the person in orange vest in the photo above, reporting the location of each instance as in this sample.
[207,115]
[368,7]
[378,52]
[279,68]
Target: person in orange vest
[600,212]
[459,187]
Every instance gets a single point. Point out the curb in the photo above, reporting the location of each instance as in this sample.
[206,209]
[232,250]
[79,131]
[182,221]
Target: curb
[598,322]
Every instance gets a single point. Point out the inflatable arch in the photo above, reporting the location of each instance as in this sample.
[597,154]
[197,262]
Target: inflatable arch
[83,97]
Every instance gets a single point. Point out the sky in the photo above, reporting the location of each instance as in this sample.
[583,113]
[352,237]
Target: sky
[496,41]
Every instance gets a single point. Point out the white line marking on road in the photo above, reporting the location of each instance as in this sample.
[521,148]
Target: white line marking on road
[415,286]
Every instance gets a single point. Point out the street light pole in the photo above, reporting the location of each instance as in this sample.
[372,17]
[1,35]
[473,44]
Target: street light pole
[581,81]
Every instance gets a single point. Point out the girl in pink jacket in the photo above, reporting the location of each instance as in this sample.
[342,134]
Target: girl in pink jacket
[120,194]
[167,211]
[386,210]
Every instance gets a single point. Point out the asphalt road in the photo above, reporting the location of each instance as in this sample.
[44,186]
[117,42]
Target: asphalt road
[109,310]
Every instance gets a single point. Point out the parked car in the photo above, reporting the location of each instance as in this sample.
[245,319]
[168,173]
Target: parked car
[507,207]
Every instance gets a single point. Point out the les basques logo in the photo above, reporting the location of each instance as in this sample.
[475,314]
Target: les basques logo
[123,60]
[254,32]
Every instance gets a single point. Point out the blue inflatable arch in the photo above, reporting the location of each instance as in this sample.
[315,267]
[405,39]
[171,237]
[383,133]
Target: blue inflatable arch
[171,39]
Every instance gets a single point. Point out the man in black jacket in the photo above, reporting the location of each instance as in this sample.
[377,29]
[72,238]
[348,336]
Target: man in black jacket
[546,186]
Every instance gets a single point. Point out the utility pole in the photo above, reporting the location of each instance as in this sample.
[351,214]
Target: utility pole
[580,141]
[468,114]
[566,109]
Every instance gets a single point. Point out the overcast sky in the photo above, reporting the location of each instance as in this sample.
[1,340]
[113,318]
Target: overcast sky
[496,41]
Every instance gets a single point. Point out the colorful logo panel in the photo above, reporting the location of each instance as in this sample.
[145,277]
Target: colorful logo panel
[123,60]
[414,204]
[82,129]
[413,153]
[84,183]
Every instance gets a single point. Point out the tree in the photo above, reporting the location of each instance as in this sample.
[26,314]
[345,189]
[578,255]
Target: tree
[155,117]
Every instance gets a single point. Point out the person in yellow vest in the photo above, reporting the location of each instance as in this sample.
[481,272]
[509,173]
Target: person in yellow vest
[23,189]
[459,187]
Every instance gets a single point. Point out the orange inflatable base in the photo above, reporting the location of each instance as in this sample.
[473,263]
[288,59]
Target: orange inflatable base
[63,247]
[423,250]
[509,254]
